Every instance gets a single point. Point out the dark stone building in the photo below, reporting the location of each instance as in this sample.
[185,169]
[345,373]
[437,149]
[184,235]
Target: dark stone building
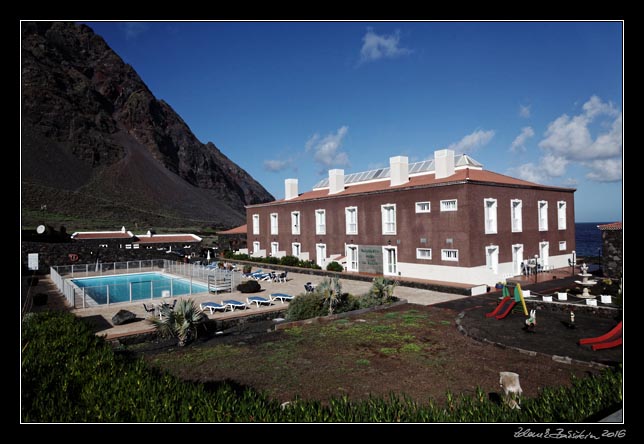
[612,249]
[445,219]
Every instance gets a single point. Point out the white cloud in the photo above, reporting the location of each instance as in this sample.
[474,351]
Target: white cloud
[524,111]
[529,172]
[133,29]
[570,136]
[549,167]
[472,141]
[518,144]
[274,165]
[553,166]
[375,47]
[326,150]
[605,170]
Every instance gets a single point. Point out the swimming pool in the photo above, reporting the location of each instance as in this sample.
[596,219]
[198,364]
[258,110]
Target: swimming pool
[135,287]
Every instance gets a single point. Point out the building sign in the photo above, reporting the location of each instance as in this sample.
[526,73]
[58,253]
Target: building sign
[370,259]
[32,261]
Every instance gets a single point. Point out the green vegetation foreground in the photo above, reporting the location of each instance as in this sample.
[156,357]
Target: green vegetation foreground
[71,375]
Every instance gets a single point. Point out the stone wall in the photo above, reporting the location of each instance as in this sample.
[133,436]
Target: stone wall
[612,253]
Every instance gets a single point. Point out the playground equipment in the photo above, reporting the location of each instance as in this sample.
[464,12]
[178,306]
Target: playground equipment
[608,340]
[507,303]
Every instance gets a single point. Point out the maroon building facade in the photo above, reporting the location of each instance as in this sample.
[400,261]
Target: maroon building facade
[446,219]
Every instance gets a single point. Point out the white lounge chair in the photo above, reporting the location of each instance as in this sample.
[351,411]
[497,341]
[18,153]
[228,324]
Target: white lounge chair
[258,300]
[212,306]
[281,297]
[233,304]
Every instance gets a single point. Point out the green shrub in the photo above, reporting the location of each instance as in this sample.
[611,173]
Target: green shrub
[306,306]
[334,266]
[71,375]
[249,286]
[272,260]
[247,268]
[290,261]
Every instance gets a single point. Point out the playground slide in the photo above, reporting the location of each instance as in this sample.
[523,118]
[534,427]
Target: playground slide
[603,338]
[498,307]
[507,310]
[609,344]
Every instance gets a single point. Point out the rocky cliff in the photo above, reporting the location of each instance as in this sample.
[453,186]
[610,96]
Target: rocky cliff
[97,145]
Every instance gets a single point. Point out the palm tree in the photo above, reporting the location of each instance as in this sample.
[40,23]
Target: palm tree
[182,321]
[331,290]
[383,288]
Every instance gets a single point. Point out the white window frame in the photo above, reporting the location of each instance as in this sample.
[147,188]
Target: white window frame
[351,264]
[446,254]
[446,205]
[351,226]
[295,222]
[388,221]
[274,223]
[561,214]
[542,214]
[389,269]
[426,257]
[490,265]
[563,245]
[275,248]
[419,206]
[296,249]
[256,246]
[490,207]
[516,215]
[255,223]
[320,221]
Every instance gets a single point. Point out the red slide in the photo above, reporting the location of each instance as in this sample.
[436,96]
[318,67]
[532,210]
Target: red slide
[507,311]
[609,344]
[603,338]
[498,307]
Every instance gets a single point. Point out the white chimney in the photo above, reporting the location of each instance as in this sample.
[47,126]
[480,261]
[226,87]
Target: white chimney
[444,163]
[290,189]
[336,181]
[399,167]
[122,229]
[149,233]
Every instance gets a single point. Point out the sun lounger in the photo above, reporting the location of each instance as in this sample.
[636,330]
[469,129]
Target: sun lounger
[212,306]
[258,300]
[232,304]
[281,297]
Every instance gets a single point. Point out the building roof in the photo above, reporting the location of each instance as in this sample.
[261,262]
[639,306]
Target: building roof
[614,226]
[466,175]
[165,238]
[416,168]
[242,229]
[88,235]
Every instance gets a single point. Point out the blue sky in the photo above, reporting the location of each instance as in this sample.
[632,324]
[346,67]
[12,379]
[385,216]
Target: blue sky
[537,100]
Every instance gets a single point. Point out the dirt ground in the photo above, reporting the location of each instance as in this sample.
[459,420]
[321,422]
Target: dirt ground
[410,349]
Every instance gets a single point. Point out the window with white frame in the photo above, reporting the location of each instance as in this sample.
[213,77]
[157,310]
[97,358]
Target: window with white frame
[274,229]
[388,218]
[449,205]
[295,222]
[561,215]
[351,216]
[449,255]
[543,215]
[424,253]
[296,249]
[516,209]
[352,258]
[275,247]
[562,245]
[490,216]
[423,207]
[255,223]
[320,221]
[256,246]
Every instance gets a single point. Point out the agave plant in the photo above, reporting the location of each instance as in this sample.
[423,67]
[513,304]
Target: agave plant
[180,322]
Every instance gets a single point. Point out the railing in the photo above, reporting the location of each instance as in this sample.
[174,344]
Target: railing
[83,297]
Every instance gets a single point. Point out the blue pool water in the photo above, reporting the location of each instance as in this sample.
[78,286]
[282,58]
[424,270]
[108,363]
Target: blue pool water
[142,286]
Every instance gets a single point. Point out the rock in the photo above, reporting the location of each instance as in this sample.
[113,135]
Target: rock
[123,317]
[85,111]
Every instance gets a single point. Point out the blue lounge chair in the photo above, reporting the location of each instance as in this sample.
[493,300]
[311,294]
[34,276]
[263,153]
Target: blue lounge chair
[258,300]
[232,304]
[281,297]
[212,306]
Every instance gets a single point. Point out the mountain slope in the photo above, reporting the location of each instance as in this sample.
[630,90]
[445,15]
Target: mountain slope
[97,144]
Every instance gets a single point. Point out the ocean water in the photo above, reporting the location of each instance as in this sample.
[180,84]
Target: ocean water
[588,239]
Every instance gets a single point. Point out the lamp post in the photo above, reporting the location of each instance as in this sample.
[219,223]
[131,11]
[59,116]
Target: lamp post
[536,267]
[573,263]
